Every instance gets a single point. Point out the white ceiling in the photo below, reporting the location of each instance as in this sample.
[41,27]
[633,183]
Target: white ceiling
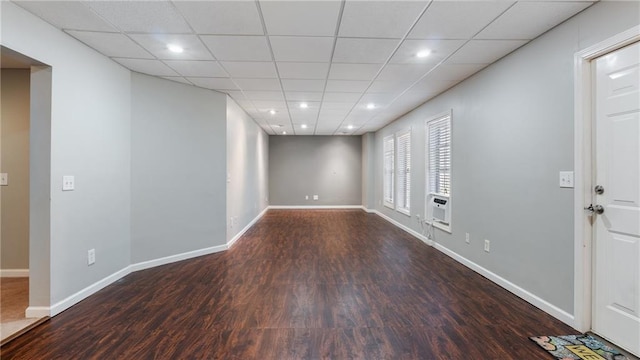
[336,56]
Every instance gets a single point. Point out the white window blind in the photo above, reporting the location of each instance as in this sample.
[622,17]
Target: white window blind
[439,155]
[404,172]
[387,180]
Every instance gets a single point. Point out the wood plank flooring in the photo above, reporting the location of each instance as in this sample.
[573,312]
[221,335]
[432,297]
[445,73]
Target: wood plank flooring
[300,285]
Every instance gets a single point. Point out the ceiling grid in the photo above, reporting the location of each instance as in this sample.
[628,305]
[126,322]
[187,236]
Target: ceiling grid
[356,64]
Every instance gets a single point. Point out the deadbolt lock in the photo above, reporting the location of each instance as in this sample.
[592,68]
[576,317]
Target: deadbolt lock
[599,189]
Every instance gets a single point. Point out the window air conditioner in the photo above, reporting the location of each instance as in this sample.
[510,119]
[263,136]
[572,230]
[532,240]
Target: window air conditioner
[440,208]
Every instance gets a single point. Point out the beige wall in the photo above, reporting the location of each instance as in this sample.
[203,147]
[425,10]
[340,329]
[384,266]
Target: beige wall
[14,149]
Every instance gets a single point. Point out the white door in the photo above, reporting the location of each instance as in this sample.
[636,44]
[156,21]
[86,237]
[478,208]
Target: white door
[616,312]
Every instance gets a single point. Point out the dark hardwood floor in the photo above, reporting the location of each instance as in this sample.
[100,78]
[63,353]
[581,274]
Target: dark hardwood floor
[300,285]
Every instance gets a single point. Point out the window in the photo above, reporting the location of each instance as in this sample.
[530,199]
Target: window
[387,181]
[404,172]
[439,155]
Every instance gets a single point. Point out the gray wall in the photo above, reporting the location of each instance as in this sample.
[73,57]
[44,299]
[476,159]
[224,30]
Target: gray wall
[90,137]
[512,133]
[14,121]
[178,168]
[368,170]
[327,166]
[247,164]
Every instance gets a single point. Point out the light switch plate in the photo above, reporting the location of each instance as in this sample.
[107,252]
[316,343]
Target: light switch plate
[566,179]
[315,197]
[68,183]
[4,179]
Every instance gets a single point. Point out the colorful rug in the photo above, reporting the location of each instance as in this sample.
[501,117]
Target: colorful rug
[571,347]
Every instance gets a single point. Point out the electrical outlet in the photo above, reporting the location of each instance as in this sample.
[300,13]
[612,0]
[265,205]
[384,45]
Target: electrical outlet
[315,197]
[466,238]
[68,183]
[91,257]
[4,179]
[418,217]
[306,197]
[487,245]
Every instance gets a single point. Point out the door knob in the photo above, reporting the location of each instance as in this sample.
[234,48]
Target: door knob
[597,209]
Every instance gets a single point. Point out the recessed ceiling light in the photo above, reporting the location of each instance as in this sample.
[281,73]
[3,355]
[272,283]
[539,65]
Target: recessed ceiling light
[350,127]
[175,48]
[423,53]
[272,112]
[284,133]
[304,105]
[304,126]
[371,106]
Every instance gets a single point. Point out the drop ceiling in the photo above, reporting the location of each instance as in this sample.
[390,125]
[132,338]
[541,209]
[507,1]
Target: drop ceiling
[354,62]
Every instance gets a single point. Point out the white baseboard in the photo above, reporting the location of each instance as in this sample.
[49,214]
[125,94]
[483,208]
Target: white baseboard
[404,227]
[14,273]
[174,258]
[370,211]
[529,297]
[37,312]
[249,225]
[314,207]
[63,305]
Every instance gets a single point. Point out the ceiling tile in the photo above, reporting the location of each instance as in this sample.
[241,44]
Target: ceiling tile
[222,17]
[154,17]
[73,15]
[157,45]
[213,83]
[281,106]
[353,71]
[258,84]
[365,51]
[457,19]
[303,96]
[379,19]
[145,66]
[404,71]
[296,70]
[527,20]
[197,68]
[311,105]
[238,48]
[356,86]
[302,85]
[341,97]
[111,44]
[264,95]
[265,70]
[302,49]
[439,50]
[380,100]
[341,106]
[389,87]
[303,18]
[484,51]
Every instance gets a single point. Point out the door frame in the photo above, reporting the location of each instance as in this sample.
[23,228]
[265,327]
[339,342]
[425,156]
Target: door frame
[583,161]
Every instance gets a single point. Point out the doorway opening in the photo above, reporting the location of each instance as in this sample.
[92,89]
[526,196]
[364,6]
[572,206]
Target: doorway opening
[24,257]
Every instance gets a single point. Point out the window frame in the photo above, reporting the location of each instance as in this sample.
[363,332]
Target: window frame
[407,194]
[428,193]
[388,201]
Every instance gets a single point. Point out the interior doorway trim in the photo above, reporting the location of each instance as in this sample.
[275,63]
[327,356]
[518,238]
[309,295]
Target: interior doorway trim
[583,170]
